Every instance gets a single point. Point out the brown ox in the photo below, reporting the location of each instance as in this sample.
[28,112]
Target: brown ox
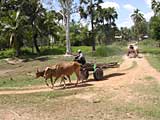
[61,70]
[40,73]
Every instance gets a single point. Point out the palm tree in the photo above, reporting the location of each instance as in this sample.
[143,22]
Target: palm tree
[13,24]
[138,20]
[109,15]
[156,7]
[92,9]
[35,12]
[137,16]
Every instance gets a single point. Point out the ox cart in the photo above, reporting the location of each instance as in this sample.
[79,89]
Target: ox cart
[97,69]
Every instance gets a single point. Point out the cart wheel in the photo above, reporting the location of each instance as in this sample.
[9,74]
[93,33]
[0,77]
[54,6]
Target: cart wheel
[98,74]
[84,74]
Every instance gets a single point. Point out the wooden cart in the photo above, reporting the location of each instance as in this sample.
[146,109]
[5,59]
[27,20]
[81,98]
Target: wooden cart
[97,69]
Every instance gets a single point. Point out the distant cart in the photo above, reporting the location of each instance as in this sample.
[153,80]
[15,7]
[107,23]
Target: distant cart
[97,69]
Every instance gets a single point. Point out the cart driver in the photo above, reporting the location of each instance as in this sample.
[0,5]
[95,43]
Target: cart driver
[80,57]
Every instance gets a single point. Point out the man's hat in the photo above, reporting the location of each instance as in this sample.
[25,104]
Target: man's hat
[79,50]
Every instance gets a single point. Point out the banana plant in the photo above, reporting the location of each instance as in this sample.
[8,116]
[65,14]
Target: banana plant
[13,25]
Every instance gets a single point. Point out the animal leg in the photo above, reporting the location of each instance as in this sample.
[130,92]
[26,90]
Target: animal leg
[52,83]
[46,82]
[62,79]
[69,79]
[78,78]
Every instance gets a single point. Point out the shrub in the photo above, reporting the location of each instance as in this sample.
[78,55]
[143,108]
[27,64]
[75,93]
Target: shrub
[105,51]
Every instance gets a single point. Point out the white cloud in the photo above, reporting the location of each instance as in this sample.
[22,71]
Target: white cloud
[148,15]
[148,2]
[126,23]
[110,4]
[129,7]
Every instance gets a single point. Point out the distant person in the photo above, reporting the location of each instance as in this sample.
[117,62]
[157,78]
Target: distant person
[131,51]
[80,57]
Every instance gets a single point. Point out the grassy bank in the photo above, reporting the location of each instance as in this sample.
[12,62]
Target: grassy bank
[152,51]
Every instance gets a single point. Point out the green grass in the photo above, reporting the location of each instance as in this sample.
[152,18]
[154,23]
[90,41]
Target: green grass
[106,51]
[150,48]
[19,81]
[154,60]
[149,78]
[35,99]
[143,102]
[6,53]
[23,74]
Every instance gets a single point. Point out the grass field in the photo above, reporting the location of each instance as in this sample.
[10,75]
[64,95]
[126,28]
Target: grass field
[23,74]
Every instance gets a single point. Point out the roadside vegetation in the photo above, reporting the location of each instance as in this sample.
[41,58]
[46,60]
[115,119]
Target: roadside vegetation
[151,49]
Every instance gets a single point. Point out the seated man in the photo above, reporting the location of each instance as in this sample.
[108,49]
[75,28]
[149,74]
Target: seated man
[80,58]
[131,52]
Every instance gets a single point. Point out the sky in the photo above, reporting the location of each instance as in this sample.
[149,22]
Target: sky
[124,9]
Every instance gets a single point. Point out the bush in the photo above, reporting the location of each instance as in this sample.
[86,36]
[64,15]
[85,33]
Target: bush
[7,53]
[105,51]
[53,51]
[149,46]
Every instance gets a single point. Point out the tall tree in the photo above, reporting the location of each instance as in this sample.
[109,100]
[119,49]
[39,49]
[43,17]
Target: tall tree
[66,6]
[90,8]
[155,7]
[155,21]
[110,15]
[13,23]
[138,20]
[35,12]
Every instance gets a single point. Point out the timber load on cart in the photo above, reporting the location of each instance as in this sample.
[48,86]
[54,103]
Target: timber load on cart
[97,69]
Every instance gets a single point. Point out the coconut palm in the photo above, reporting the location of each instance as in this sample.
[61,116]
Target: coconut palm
[92,9]
[138,20]
[156,7]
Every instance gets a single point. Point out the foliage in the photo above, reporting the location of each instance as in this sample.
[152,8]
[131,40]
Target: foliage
[154,60]
[155,27]
[79,35]
[105,51]
[149,46]
[6,53]
[140,25]
[91,9]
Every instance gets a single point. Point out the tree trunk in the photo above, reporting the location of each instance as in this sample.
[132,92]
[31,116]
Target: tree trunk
[68,45]
[17,52]
[92,27]
[35,43]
